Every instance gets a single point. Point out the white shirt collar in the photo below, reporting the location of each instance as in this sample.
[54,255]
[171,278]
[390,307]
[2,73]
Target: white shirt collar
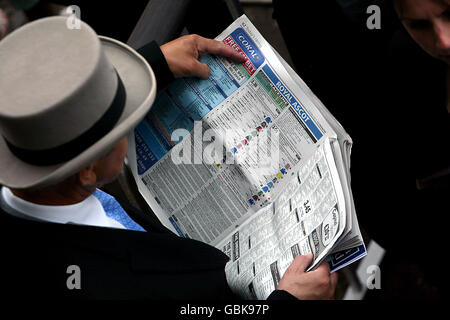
[87,212]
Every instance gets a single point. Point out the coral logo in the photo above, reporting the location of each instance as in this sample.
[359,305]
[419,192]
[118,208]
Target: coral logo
[247,45]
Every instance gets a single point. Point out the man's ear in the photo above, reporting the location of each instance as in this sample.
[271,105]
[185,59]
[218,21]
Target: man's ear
[87,176]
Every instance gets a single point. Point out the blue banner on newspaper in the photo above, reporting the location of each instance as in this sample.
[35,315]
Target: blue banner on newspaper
[296,106]
[346,257]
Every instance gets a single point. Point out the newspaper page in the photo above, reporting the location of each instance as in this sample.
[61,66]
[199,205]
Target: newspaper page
[243,161]
[251,102]
[351,247]
[307,216]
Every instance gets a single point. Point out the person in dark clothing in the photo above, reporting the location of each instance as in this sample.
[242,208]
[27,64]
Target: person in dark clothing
[389,88]
[64,114]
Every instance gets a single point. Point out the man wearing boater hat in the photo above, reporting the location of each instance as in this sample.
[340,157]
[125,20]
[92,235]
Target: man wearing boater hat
[68,98]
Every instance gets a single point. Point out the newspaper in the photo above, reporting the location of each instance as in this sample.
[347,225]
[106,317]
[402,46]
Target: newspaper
[249,161]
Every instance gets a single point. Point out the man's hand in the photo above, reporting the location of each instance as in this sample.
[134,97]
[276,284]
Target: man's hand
[314,285]
[182,55]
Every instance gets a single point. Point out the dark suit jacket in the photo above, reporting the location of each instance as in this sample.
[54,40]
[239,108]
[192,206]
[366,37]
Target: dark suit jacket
[114,263]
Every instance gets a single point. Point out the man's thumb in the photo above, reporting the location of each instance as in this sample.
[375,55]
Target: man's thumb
[302,262]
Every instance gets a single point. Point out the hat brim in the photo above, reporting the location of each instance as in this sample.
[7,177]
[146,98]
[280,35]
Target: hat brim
[140,85]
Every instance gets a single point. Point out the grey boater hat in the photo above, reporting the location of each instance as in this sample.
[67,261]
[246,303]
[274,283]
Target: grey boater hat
[67,97]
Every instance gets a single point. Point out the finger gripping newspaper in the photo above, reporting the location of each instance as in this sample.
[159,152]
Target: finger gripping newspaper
[251,162]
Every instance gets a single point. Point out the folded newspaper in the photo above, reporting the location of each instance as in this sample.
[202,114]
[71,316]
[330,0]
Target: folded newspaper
[251,162]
